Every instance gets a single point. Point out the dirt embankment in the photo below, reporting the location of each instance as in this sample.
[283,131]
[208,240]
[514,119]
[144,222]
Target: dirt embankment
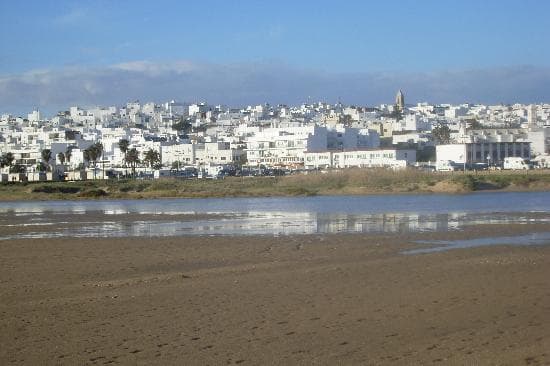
[348,181]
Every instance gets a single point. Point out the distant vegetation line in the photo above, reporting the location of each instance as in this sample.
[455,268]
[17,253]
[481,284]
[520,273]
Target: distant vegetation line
[350,181]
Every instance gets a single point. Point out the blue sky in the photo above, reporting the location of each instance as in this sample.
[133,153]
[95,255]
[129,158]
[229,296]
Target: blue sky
[55,53]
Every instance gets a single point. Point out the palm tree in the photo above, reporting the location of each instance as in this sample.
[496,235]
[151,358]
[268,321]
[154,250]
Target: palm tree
[123,145]
[6,160]
[132,157]
[152,157]
[18,168]
[98,148]
[61,158]
[86,155]
[68,153]
[93,153]
[46,157]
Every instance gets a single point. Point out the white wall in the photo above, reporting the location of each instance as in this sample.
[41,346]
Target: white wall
[453,152]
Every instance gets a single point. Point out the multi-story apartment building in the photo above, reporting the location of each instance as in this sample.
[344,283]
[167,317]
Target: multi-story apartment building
[360,158]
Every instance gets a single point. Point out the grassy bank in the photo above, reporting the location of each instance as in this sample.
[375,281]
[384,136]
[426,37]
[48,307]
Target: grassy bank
[352,181]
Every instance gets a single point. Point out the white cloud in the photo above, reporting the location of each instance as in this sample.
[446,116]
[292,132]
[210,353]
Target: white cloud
[273,82]
[156,68]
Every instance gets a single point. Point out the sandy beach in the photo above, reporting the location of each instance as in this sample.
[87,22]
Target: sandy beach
[313,299]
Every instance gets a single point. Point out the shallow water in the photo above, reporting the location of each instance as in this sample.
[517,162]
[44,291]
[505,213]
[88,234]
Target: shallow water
[269,216]
[442,245]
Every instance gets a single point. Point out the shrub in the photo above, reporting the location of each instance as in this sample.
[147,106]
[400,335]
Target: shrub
[93,193]
[55,189]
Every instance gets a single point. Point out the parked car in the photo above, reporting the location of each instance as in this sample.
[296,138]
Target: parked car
[517,163]
[479,166]
[446,166]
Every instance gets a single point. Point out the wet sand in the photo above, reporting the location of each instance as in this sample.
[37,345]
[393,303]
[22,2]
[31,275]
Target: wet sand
[315,299]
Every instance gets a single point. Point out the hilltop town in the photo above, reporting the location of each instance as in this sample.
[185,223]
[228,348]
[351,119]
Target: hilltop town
[190,140]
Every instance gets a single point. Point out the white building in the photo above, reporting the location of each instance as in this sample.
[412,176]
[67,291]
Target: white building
[285,146]
[175,109]
[197,109]
[491,153]
[35,116]
[368,158]
[201,154]
[455,112]
[540,141]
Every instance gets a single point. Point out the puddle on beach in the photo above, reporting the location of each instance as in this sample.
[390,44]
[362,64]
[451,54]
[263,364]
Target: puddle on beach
[519,240]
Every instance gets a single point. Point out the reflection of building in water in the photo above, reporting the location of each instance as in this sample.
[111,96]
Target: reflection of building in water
[277,223]
[386,222]
[331,223]
[262,223]
[257,223]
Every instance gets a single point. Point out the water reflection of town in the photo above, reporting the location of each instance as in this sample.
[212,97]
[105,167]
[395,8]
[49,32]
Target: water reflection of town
[390,222]
[409,222]
[311,223]
[270,223]
[278,223]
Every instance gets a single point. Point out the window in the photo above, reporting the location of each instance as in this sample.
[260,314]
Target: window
[525,150]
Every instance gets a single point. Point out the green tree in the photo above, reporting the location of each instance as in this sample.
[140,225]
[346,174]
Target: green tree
[46,157]
[123,146]
[152,158]
[93,153]
[473,124]
[6,160]
[18,168]
[132,158]
[441,134]
[61,158]
[68,154]
[183,126]
[98,149]
[345,119]
[397,113]
[86,156]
